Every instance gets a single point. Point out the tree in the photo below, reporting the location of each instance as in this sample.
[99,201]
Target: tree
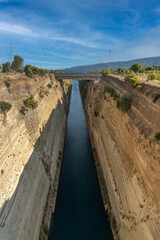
[17,63]
[29,73]
[41,72]
[136,67]
[5,67]
[155,68]
[122,71]
[35,70]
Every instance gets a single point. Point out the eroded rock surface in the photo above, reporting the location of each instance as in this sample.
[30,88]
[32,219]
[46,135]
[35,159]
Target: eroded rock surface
[129,155]
[30,147]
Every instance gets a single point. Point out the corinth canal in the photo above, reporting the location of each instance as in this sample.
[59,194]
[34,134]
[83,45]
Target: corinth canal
[79,212]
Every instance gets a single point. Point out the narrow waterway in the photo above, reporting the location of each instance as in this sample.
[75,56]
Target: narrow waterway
[79,212]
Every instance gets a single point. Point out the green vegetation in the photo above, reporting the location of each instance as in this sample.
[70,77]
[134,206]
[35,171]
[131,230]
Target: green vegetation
[136,67]
[111,91]
[123,103]
[134,81]
[34,69]
[157,136]
[29,73]
[17,63]
[49,85]
[6,67]
[5,107]
[55,71]
[122,71]
[67,85]
[41,72]
[139,87]
[105,71]
[29,102]
[154,75]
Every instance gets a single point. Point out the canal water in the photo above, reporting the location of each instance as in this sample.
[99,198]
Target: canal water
[79,212]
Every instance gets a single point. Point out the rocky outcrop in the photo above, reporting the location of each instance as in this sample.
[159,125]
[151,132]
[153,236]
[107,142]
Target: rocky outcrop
[128,153]
[31,145]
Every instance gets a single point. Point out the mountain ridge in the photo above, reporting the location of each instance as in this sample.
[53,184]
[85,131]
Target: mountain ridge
[149,61]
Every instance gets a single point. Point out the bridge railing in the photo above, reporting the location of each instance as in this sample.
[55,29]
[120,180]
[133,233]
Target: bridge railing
[84,76]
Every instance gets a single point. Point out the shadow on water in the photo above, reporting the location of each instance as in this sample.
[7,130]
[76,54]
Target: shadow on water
[79,212]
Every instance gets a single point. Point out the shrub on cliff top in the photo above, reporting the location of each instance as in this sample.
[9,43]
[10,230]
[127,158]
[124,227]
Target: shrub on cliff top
[136,67]
[29,73]
[41,72]
[153,75]
[133,79]
[33,68]
[17,63]
[6,67]
[30,102]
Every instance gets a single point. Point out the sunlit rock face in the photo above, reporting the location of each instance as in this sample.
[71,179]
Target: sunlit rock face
[129,154]
[30,143]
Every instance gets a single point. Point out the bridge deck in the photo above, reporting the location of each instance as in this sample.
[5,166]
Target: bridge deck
[83,76]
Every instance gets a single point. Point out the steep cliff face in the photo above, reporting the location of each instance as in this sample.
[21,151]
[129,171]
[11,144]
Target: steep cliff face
[129,154]
[31,143]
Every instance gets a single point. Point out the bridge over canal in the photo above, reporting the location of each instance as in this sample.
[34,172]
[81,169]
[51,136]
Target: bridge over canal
[80,76]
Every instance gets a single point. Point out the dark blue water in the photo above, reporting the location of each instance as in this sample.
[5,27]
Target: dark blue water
[79,212]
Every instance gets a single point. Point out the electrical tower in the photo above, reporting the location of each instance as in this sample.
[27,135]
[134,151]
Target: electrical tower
[10,53]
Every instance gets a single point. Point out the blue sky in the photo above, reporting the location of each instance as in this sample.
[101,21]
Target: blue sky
[65,33]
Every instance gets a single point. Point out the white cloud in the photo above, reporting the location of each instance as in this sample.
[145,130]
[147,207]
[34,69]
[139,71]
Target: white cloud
[22,30]
[89,38]
[79,41]
[148,50]
[157,10]
[16,29]
[39,61]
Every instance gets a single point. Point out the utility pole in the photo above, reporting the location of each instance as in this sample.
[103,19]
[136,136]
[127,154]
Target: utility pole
[109,57]
[45,60]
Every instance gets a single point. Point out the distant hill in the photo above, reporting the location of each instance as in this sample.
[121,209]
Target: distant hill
[150,61]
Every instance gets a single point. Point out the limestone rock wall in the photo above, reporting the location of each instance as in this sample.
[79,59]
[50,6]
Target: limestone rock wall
[129,155]
[30,145]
